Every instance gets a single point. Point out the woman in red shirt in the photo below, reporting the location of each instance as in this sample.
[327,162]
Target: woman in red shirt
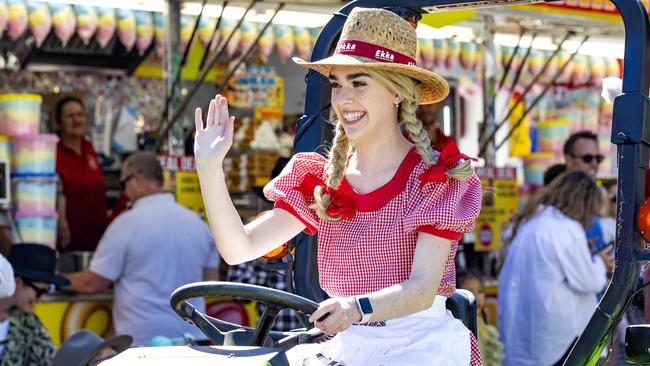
[83,218]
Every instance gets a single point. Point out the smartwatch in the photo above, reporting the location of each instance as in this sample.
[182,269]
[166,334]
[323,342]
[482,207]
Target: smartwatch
[363,303]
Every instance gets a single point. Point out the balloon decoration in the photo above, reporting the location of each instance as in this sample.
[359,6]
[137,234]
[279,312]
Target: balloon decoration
[126,32]
[159,32]
[40,21]
[17,18]
[144,30]
[106,25]
[64,21]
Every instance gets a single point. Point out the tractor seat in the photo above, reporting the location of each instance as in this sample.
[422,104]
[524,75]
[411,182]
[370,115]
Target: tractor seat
[462,305]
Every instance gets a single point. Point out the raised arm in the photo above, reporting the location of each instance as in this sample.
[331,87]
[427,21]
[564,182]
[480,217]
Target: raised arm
[237,243]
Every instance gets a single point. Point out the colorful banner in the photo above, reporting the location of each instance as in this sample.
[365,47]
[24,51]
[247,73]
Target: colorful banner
[595,9]
[500,199]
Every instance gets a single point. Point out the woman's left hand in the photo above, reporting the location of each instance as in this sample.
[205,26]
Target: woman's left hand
[342,312]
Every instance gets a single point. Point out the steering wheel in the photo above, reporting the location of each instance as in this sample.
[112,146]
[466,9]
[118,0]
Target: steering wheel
[261,335]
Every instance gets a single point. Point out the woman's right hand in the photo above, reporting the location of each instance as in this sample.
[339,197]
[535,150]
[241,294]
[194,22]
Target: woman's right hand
[212,142]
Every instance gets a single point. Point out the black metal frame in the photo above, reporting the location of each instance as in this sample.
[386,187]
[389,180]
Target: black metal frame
[631,137]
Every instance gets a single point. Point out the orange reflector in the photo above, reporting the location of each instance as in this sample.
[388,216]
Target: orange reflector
[278,252]
[643,220]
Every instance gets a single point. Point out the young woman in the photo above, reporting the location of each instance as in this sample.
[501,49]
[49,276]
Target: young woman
[550,278]
[389,213]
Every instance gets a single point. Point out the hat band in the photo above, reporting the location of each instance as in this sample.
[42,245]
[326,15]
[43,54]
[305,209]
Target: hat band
[371,51]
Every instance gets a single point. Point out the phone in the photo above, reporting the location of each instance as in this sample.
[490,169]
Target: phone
[605,248]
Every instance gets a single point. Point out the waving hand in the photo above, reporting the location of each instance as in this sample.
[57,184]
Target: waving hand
[212,142]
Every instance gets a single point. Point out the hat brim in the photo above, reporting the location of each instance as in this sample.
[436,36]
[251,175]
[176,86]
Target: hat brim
[118,343]
[36,276]
[434,87]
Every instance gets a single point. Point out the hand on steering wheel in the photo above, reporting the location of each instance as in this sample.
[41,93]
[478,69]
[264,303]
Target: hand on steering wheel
[275,300]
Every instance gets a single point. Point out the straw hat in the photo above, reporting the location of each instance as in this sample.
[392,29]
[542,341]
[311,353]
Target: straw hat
[380,39]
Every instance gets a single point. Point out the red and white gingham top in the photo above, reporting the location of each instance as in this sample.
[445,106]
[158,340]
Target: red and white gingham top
[375,249]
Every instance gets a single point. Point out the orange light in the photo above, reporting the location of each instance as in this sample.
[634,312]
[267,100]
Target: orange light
[643,220]
[278,252]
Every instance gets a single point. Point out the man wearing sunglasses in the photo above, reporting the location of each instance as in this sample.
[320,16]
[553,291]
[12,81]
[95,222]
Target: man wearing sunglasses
[34,275]
[581,153]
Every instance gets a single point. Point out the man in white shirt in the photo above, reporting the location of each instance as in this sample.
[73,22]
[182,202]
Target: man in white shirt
[148,252]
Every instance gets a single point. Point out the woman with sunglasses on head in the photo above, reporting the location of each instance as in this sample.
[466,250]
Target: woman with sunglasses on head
[550,277]
[389,213]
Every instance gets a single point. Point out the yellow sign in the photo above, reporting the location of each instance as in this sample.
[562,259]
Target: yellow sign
[188,191]
[519,142]
[499,204]
[438,20]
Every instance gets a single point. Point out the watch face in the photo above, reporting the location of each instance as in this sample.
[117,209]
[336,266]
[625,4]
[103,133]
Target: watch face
[366,308]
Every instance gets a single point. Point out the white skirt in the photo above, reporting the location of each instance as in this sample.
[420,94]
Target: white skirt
[431,337]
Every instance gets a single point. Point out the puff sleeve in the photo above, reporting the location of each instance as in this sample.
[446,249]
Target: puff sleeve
[446,209]
[284,189]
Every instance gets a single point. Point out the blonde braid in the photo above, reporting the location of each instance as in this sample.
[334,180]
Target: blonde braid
[335,172]
[420,138]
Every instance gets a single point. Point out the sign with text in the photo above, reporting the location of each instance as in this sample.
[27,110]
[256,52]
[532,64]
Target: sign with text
[500,202]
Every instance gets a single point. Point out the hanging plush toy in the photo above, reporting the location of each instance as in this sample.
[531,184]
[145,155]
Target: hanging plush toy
[427,54]
[265,44]
[468,55]
[284,43]
[598,69]
[105,26]
[40,21]
[144,30]
[535,61]
[159,32]
[4,15]
[581,73]
[17,18]
[303,42]
[249,33]
[227,27]
[454,53]
[86,22]
[126,32]
[187,25]
[313,34]
[440,53]
[64,21]
[205,31]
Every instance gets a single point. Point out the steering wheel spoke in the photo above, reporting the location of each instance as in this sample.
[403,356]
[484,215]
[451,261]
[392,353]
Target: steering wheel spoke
[264,324]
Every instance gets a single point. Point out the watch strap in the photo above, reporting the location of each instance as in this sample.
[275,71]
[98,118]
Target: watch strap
[365,308]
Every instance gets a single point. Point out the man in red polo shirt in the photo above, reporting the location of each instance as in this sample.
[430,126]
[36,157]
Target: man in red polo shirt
[82,223]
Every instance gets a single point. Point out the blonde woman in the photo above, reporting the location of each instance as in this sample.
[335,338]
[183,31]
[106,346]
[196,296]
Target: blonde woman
[550,278]
[389,213]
